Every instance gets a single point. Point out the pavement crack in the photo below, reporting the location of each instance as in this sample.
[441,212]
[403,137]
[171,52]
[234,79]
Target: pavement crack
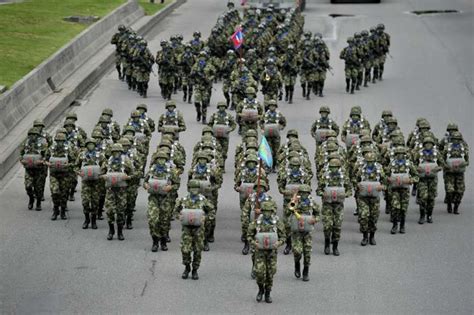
[152,268]
[144,288]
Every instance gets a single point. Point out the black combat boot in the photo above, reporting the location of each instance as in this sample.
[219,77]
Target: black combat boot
[63,213]
[394,227]
[288,246]
[365,239]
[243,238]
[187,270]
[38,204]
[348,84]
[164,246]
[120,232]
[211,234]
[87,220]
[55,213]
[198,111]
[352,88]
[168,239]
[327,242]
[194,274]
[414,190]
[110,236]
[402,224]
[261,291]
[306,272]
[297,269]
[246,248]
[456,207]
[335,251]
[206,245]
[450,206]
[185,95]
[94,222]
[204,114]
[154,247]
[128,223]
[304,90]
[308,92]
[287,96]
[429,215]
[372,238]
[190,95]
[31,200]
[71,195]
[290,99]
[422,215]
[321,87]
[268,298]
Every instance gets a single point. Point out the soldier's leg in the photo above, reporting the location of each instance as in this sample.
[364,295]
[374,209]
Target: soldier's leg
[421,199]
[303,81]
[65,184]
[297,242]
[348,78]
[376,70]
[38,188]
[321,83]
[260,272]
[360,72]
[153,215]
[307,249]
[367,73]
[396,209]
[168,208]
[354,74]
[226,91]
[271,267]
[459,188]
[29,187]
[374,214]
[186,249]
[327,218]
[121,208]
[404,201]
[102,193]
[110,208]
[198,99]
[205,103]
[198,245]
[118,67]
[55,196]
[381,66]
[338,213]
[43,177]
[430,201]
[190,93]
[87,192]
[286,221]
[364,213]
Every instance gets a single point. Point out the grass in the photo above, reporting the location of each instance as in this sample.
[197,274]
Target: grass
[152,8]
[33,30]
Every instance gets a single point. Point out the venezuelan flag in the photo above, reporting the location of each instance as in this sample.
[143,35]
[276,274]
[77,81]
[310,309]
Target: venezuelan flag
[265,152]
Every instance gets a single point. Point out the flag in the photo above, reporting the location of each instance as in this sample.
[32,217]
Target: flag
[237,38]
[243,2]
[265,152]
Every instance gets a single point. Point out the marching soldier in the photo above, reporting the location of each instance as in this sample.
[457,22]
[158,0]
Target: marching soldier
[172,118]
[202,74]
[271,119]
[222,118]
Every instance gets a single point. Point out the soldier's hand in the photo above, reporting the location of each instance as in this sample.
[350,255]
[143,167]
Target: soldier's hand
[146,186]
[23,162]
[167,188]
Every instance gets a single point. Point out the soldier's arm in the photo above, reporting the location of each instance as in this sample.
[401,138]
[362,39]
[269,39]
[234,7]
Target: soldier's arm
[414,174]
[232,123]
[281,232]
[251,231]
[181,123]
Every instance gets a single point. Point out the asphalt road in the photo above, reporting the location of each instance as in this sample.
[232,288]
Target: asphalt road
[56,267]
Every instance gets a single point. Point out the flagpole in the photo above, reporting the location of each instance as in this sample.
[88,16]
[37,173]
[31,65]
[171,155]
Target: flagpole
[257,202]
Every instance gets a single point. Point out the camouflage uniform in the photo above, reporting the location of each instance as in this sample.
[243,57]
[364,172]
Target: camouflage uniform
[230,64]
[351,56]
[273,116]
[324,122]
[241,80]
[308,74]
[172,118]
[143,64]
[223,118]
[166,62]
[186,62]
[249,103]
[202,74]
[290,66]
[116,40]
[77,142]
[271,81]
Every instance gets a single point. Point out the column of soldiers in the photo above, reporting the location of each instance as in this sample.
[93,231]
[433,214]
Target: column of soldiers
[365,57]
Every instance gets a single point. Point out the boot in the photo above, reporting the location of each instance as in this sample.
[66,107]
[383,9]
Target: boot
[110,236]
[352,88]
[261,291]
[99,214]
[288,246]
[450,206]
[243,238]
[204,118]
[321,87]
[456,208]
[164,246]
[154,247]
[402,224]
[187,270]
[356,211]
[190,96]
[286,93]
[327,250]
[168,239]
[119,232]
[194,274]
[71,195]
[198,111]
[365,239]
[31,201]
[304,89]
[87,220]
[63,213]
[245,250]
[335,251]
[128,225]
[348,83]
[290,100]
[306,273]
[394,227]
[206,245]
[422,216]
[94,222]
[185,96]
[308,92]
[55,213]
[372,238]
[413,190]
[429,216]
[297,269]
[211,234]
[268,298]
[38,204]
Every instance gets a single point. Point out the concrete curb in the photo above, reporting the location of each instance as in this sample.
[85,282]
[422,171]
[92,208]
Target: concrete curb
[74,86]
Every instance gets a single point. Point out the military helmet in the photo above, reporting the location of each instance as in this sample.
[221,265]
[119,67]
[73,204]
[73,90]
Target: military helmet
[33,131]
[451,126]
[142,106]
[268,205]
[292,133]
[170,103]
[197,33]
[332,146]
[251,145]
[202,155]
[324,109]
[391,120]
[124,142]
[364,33]
[396,133]
[91,140]
[165,143]
[251,158]
[251,133]
[135,114]
[381,26]
[129,128]
[72,116]
[38,123]
[365,139]
[331,133]
[304,188]
[295,161]
[373,29]
[428,140]
[250,90]
[230,52]
[357,35]
[60,137]
[400,150]
[221,104]
[356,110]
[160,154]
[108,112]
[335,163]
[263,183]
[116,147]
[386,113]
[121,28]
[350,40]
[207,129]
[370,157]
[193,183]
[97,134]
[104,119]
[456,135]
[272,103]
[291,47]
[424,124]
[307,34]
[69,122]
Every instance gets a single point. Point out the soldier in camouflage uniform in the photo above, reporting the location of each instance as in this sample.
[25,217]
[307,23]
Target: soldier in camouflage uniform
[271,81]
[192,237]
[308,58]
[77,142]
[160,205]
[382,49]
[400,196]
[322,66]
[381,126]
[294,174]
[333,212]
[89,189]
[104,148]
[324,122]
[39,124]
[369,206]
[143,109]
[354,125]
[226,119]
[289,71]
[249,103]
[454,182]
[186,62]
[60,181]
[230,64]
[127,48]
[302,241]
[367,56]
[116,40]
[172,118]
[273,117]
[77,129]
[351,56]
[143,65]
[266,259]
[241,80]
[428,183]
[166,62]
[114,127]
[116,197]
[35,173]
[202,74]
